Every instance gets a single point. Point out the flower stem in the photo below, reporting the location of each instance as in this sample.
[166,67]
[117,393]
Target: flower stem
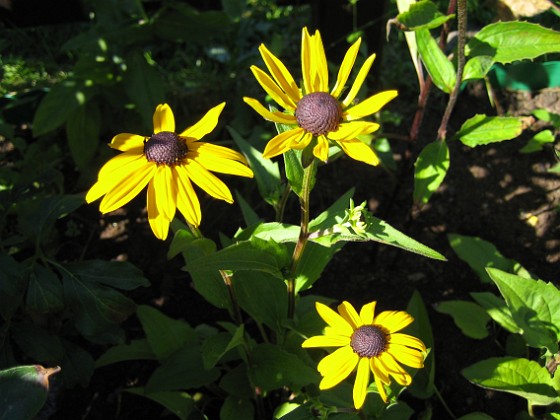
[307,185]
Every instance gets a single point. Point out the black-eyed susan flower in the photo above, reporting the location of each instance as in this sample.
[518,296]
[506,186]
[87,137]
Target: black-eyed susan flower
[315,111]
[367,343]
[168,163]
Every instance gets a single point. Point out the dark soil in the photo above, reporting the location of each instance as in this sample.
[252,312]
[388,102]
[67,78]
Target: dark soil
[489,192]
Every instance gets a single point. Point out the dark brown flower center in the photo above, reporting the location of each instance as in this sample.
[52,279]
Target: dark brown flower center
[368,341]
[165,148]
[318,113]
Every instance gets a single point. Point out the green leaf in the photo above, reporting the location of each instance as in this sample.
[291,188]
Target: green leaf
[439,67]
[77,365]
[179,403]
[511,41]
[263,297]
[235,382]
[294,170]
[468,316]
[44,293]
[135,350]
[165,335]
[57,106]
[267,172]
[119,274]
[182,370]
[479,254]
[497,309]
[184,23]
[481,129]
[237,408]
[143,85]
[430,170]
[250,217]
[13,283]
[82,132]
[423,15]
[477,67]
[522,377]
[37,343]
[313,261]
[537,142]
[23,391]
[328,218]
[274,368]
[277,232]
[216,346]
[534,306]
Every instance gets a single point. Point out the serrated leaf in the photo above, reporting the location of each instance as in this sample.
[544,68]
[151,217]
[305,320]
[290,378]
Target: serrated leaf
[44,291]
[135,350]
[430,170]
[497,309]
[522,377]
[511,41]
[480,254]
[534,306]
[178,402]
[423,15]
[482,129]
[119,274]
[439,67]
[468,316]
[82,132]
[164,334]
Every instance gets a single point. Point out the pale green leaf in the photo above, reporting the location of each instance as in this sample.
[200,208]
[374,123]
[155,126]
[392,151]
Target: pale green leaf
[430,170]
[537,142]
[423,15]
[497,309]
[471,318]
[438,65]
[482,129]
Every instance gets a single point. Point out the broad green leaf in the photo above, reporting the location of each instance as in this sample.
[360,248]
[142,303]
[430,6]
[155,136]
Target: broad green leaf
[44,293]
[294,170]
[537,142]
[119,274]
[250,217]
[235,382]
[178,402]
[278,232]
[273,368]
[24,390]
[534,306]
[135,350]
[423,15]
[82,132]
[216,346]
[438,65]
[328,218]
[13,283]
[511,41]
[423,383]
[267,173]
[430,170]
[165,335]
[476,415]
[262,296]
[237,408]
[477,67]
[481,129]
[313,261]
[144,86]
[497,309]
[403,6]
[546,115]
[184,23]
[57,106]
[77,365]
[182,239]
[182,370]
[479,254]
[37,343]
[522,377]
[468,316]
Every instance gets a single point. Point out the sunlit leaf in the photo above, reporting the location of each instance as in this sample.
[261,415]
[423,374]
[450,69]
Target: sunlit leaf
[430,170]
[423,14]
[537,142]
[497,309]
[438,65]
[482,129]
[471,318]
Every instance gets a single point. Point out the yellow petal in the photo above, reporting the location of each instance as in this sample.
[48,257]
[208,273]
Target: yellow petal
[302,142]
[337,322]
[393,320]
[187,200]
[205,125]
[394,369]
[356,86]
[280,73]
[406,355]
[337,366]
[361,385]
[273,89]
[319,64]
[163,119]
[207,181]
[321,149]
[165,189]
[126,142]
[366,313]
[349,131]
[278,117]
[326,341]
[347,311]
[306,61]
[407,340]
[381,389]
[213,158]
[281,142]
[370,105]
[129,187]
[158,222]
[359,151]
[346,68]
[378,370]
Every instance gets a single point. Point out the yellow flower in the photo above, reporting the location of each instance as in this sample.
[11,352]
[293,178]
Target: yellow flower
[313,111]
[368,342]
[167,163]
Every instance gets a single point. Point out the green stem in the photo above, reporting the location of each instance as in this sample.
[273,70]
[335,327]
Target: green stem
[442,401]
[307,184]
